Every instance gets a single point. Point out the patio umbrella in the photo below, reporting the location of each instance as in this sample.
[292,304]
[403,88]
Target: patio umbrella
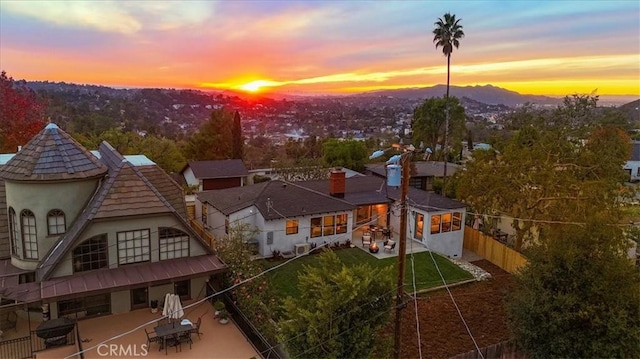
[166,310]
[177,312]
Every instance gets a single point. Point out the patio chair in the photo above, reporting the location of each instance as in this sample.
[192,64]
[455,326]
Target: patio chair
[185,337]
[196,328]
[8,320]
[152,338]
[389,246]
[172,341]
[366,239]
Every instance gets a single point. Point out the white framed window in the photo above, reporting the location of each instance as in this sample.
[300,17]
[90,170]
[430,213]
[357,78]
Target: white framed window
[316,227]
[419,227]
[328,225]
[435,223]
[341,223]
[56,222]
[446,222]
[16,244]
[457,221]
[91,254]
[174,243]
[292,226]
[133,246]
[29,234]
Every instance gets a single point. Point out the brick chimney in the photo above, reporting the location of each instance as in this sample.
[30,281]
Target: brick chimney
[337,184]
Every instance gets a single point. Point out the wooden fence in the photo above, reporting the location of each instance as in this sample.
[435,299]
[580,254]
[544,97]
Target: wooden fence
[492,250]
[503,350]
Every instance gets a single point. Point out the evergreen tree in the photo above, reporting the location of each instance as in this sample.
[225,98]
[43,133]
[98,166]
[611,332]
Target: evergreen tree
[213,140]
[238,139]
[339,311]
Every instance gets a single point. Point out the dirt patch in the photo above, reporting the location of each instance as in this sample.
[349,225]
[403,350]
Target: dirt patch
[442,332]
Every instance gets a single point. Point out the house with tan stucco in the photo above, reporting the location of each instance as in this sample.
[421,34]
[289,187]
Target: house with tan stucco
[88,234]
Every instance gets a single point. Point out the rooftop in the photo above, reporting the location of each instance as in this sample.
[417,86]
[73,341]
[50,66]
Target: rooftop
[52,155]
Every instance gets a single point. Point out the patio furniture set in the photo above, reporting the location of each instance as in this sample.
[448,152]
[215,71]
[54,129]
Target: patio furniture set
[369,239]
[173,334]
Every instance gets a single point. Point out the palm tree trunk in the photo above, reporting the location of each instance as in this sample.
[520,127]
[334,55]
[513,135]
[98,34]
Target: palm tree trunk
[446,127]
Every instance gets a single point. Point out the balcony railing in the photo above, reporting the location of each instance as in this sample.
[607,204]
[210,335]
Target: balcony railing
[206,235]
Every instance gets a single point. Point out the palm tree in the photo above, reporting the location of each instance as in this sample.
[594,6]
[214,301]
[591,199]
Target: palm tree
[447,34]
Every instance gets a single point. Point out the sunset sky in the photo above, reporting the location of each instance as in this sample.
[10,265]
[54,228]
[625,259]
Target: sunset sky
[533,47]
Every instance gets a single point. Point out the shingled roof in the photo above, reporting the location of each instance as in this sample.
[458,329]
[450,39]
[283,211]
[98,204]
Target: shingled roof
[274,200]
[126,192]
[422,169]
[4,223]
[218,169]
[52,155]
[359,190]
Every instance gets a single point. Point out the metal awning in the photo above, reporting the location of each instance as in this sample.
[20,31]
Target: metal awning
[108,280]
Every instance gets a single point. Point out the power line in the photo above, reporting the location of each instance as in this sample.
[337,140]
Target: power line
[196,303]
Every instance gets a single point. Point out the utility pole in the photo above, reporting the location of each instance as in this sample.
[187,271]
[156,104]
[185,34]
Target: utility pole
[405,161]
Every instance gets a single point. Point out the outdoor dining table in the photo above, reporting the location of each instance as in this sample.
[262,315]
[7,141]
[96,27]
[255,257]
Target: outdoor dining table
[54,331]
[172,329]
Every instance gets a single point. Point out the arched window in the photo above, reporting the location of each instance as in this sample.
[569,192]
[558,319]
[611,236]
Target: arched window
[16,248]
[91,254]
[174,243]
[29,235]
[56,222]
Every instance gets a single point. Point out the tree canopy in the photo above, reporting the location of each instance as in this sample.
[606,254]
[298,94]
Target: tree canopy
[333,318]
[578,296]
[351,154]
[548,174]
[447,33]
[164,152]
[21,115]
[214,138]
[429,121]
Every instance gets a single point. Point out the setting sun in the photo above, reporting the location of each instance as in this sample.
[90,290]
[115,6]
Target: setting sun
[256,86]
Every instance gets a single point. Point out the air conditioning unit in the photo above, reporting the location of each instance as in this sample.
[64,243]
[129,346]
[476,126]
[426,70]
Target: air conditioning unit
[302,249]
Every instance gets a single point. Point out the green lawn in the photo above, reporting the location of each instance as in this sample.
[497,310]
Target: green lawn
[284,280]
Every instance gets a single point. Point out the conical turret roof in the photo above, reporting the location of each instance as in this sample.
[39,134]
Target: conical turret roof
[52,155]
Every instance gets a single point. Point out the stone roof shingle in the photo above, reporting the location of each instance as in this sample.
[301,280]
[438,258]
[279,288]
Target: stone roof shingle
[52,155]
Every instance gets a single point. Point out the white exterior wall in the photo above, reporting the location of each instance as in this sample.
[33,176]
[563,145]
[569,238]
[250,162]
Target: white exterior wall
[447,243]
[191,179]
[281,241]
[634,166]
[286,243]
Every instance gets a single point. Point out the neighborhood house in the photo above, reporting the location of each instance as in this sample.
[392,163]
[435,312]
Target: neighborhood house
[295,217]
[90,234]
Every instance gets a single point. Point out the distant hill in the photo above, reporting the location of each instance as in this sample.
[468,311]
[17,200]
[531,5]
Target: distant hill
[486,94]
[632,109]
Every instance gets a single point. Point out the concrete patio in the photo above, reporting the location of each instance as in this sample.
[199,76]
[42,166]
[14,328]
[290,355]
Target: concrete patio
[411,245]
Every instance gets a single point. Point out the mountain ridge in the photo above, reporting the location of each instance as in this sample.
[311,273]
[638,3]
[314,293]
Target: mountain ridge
[488,94]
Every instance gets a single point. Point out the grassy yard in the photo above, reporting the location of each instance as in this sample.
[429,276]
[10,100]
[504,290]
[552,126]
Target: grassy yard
[284,280]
